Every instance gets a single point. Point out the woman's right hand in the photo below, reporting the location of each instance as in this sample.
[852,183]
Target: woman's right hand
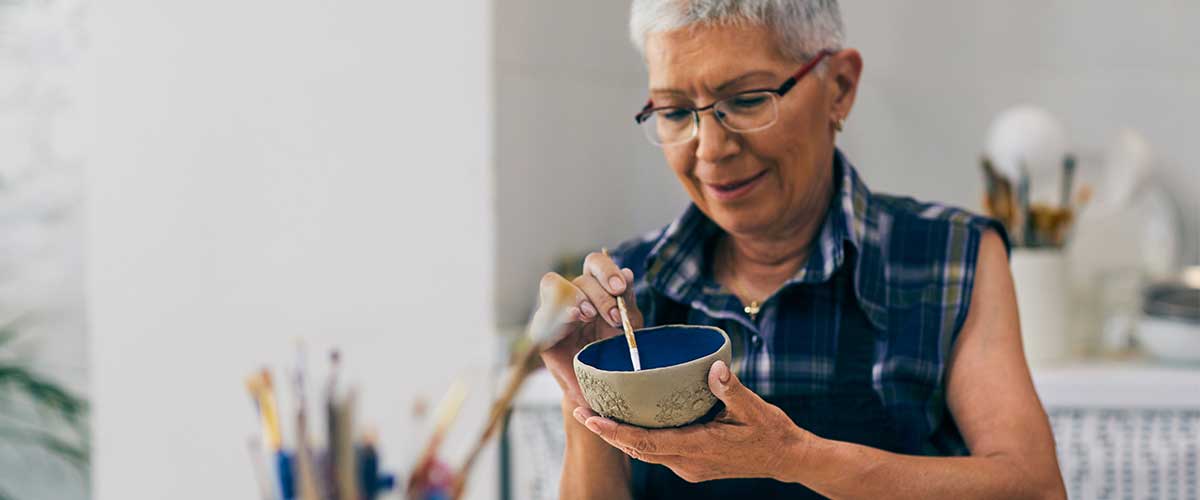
[594,316]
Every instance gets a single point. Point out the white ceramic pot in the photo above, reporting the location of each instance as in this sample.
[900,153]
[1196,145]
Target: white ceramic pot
[1043,302]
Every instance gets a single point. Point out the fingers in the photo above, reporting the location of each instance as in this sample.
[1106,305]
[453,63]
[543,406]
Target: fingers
[606,272]
[649,445]
[726,387]
[598,300]
[601,274]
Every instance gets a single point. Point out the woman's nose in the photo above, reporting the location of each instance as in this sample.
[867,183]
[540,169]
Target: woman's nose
[716,142]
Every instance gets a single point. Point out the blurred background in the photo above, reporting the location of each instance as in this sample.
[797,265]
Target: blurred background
[187,188]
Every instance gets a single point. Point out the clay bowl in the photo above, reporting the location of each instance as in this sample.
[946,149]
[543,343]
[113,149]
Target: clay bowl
[671,389]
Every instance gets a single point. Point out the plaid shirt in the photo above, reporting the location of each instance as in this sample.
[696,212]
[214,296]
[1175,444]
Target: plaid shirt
[913,268]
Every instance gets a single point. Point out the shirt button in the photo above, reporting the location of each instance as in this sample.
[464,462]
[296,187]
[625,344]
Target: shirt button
[756,340]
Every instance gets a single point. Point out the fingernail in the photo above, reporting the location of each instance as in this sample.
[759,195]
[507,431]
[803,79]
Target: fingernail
[723,376]
[615,314]
[588,309]
[578,413]
[617,284]
[628,273]
[598,425]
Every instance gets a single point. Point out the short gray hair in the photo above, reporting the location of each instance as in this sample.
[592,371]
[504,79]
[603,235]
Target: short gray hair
[802,27]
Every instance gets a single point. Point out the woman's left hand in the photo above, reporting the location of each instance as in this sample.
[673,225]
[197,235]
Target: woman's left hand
[750,438]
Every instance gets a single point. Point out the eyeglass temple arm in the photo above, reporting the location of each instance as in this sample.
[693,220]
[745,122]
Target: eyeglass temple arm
[791,81]
[649,105]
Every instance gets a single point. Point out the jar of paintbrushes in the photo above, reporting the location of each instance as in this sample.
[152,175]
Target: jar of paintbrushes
[346,468]
[1038,233]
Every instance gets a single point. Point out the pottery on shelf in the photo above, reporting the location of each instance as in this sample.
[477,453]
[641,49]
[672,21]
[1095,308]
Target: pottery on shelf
[671,389]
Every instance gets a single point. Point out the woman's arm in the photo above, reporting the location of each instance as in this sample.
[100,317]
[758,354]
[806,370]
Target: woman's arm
[990,394]
[591,467]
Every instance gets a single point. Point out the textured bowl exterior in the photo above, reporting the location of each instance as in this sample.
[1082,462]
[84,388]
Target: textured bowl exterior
[671,396]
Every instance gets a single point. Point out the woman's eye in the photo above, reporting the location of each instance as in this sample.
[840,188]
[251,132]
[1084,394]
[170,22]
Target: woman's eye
[749,101]
[675,115]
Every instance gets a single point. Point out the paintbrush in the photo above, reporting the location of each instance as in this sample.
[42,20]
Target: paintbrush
[254,445]
[1023,230]
[447,411]
[999,198]
[628,327]
[307,477]
[1068,182]
[346,459]
[543,328]
[261,390]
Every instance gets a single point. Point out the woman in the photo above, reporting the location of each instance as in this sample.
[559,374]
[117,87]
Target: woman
[876,345]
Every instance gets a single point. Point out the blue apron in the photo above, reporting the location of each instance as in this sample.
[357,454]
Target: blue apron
[851,411]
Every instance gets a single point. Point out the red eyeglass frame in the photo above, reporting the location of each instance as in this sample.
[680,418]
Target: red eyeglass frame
[783,89]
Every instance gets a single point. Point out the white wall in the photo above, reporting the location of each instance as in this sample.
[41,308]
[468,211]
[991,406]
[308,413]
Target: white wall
[573,172]
[937,72]
[270,170]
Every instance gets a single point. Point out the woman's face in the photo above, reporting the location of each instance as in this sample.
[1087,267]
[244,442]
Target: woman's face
[752,183]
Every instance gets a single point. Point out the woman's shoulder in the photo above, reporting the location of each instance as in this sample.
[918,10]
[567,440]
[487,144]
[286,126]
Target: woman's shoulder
[925,255]
[907,221]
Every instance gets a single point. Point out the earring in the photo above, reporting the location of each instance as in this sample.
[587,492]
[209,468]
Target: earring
[839,124]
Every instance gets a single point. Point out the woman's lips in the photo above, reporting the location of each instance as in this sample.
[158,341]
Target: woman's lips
[734,190]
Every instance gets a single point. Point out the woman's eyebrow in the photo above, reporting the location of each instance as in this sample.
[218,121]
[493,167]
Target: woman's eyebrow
[727,84]
[742,78]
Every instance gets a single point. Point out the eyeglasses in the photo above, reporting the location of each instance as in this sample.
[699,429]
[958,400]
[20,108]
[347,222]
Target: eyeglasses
[748,111]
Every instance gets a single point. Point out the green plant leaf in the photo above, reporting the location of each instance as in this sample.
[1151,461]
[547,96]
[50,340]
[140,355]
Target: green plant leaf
[44,394]
[48,400]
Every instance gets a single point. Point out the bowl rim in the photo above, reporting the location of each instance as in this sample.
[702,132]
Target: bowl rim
[661,368]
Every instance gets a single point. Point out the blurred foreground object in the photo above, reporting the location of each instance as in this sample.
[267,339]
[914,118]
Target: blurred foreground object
[347,469]
[544,330]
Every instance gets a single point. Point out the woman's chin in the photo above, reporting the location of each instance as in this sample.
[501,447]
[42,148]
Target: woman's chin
[742,219]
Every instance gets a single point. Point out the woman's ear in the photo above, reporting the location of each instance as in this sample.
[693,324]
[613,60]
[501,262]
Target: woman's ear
[845,68]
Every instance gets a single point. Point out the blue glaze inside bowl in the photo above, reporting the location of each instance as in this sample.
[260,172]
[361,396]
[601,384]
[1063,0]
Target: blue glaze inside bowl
[658,348]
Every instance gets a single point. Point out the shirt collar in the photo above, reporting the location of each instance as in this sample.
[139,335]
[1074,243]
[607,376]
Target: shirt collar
[676,267]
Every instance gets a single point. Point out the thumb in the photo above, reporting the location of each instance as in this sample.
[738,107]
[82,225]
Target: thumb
[726,387]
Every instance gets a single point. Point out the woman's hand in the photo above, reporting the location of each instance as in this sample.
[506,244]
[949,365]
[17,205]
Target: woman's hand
[750,438]
[594,316]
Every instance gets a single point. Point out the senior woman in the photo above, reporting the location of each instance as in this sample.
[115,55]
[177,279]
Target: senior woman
[876,346]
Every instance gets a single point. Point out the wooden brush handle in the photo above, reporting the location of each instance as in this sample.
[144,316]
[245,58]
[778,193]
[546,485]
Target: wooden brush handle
[500,408]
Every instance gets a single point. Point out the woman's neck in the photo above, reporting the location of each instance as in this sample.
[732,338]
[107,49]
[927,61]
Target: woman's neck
[758,264]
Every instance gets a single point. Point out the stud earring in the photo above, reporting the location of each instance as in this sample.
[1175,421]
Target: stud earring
[839,124]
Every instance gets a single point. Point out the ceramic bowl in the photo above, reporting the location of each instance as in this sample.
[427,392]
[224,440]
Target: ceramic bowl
[670,390]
